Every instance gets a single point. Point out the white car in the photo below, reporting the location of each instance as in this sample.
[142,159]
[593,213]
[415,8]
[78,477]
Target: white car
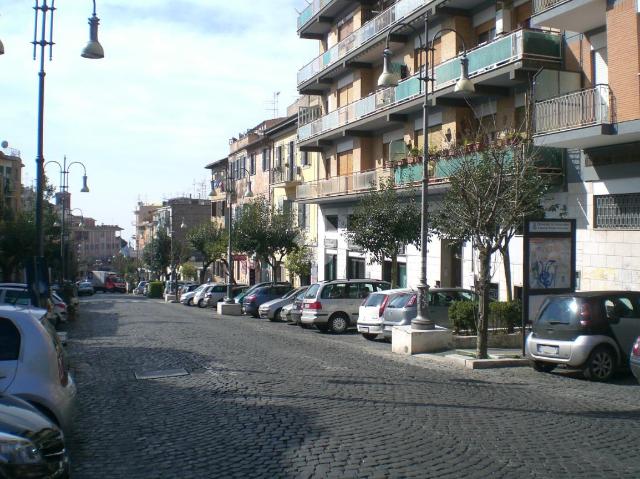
[371,314]
[33,363]
[187,298]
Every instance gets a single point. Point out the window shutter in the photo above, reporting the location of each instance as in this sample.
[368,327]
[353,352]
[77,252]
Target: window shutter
[301,222]
[292,157]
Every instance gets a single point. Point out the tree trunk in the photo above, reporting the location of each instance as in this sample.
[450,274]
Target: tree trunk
[506,263]
[275,267]
[483,307]
[394,271]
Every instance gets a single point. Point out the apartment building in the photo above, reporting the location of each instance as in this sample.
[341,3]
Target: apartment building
[10,180]
[96,243]
[144,225]
[360,132]
[598,122]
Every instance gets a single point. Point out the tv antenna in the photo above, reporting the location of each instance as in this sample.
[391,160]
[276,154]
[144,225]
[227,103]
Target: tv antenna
[273,105]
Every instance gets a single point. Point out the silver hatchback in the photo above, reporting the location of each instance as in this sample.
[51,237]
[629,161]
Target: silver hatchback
[403,307]
[334,305]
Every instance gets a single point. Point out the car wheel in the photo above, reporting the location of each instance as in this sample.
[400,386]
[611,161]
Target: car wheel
[369,336]
[190,302]
[201,304]
[601,364]
[339,323]
[543,367]
[276,316]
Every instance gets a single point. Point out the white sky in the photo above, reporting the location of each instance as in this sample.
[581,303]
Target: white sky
[179,78]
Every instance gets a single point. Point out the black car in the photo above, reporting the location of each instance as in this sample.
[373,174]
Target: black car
[30,444]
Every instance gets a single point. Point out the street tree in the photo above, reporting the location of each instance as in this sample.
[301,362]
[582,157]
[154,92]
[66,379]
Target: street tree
[188,272]
[267,232]
[208,239]
[384,221]
[490,193]
[157,253]
[299,262]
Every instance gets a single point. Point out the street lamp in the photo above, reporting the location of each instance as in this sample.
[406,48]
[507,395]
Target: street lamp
[64,186]
[464,86]
[90,51]
[228,190]
[173,261]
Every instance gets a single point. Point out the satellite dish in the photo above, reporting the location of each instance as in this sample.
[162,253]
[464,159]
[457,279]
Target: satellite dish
[5,144]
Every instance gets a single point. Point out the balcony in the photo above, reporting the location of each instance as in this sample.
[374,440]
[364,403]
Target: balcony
[338,186]
[580,119]
[490,63]
[373,29]
[549,161]
[284,176]
[316,20]
[574,15]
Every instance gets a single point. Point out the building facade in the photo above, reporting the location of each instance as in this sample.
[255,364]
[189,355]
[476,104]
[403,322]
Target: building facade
[10,180]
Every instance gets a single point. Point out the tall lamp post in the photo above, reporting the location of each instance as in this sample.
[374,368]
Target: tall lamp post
[229,180]
[463,86]
[44,11]
[64,187]
[173,260]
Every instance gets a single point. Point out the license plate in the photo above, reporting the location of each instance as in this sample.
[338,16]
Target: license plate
[364,330]
[549,350]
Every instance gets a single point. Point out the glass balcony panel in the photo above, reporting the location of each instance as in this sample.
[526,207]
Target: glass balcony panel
[408,88]
[542,45]
[408,174]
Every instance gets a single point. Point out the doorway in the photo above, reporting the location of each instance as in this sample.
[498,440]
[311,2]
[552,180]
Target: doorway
[450,264]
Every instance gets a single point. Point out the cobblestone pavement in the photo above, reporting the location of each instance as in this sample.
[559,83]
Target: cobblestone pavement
[272,400]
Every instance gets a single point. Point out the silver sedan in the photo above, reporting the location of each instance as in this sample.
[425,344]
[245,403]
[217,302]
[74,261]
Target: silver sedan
[272,310]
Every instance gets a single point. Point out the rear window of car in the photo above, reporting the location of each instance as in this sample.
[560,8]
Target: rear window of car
[399,300]
[312,291]
[374,300]
[17,296]
[563,310]
[9,340]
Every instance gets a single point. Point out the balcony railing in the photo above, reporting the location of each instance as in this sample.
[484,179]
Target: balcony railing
[574,110]
[307,14]
[283,174]
[548,161]
[542,5]
[11,152]
[338,185]
[520,44]
[362,35]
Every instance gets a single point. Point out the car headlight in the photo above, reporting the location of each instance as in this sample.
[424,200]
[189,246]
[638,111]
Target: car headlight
[18,451]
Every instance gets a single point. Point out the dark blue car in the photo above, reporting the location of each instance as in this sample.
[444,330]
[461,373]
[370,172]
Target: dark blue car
[262,294]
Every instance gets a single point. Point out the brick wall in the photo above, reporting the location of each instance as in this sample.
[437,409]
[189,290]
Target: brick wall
[623,38]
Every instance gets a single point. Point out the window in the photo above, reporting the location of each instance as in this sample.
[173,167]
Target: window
[279,156]
[9,341]
[214,208]
[617,212]
[618,307]
[303,216]
[266,157]
[330,267]
[355,268]
[334,291]
[332,222]
[252,164]
[292,155]
[487,36]
[304,158]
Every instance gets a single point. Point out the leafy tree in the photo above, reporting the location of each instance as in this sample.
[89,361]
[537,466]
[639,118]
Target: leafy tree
[299,261]
[490,192]
[157,253]
[209,240]
[267,232]
[383,222]
[188,272]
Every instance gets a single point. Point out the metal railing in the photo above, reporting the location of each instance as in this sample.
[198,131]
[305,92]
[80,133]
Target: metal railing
[574,110]
[283,174]
[542,5]
[373,28]
[520,44]
[11,152]
[314,7]
[338,185]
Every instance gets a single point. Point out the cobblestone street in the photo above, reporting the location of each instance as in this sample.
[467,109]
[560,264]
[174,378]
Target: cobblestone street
[273,400]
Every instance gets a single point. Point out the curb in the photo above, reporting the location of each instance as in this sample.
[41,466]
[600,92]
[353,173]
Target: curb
[465,362]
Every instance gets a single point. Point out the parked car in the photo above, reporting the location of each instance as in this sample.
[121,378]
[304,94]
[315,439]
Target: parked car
[140,289]
[219,293]
[31,445]
[261,295]
[86,288]
[58,312]
[18,294]
[272,310]
[404,307]
[33,363]
[334,305]
[591,331]
[293,313]
[634,359]
[371,313]
[186,298]
[240,297]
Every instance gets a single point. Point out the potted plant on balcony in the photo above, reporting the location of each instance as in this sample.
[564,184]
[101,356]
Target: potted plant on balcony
[414,154]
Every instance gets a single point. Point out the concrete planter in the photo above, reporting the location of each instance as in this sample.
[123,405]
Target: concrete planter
[503,341]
